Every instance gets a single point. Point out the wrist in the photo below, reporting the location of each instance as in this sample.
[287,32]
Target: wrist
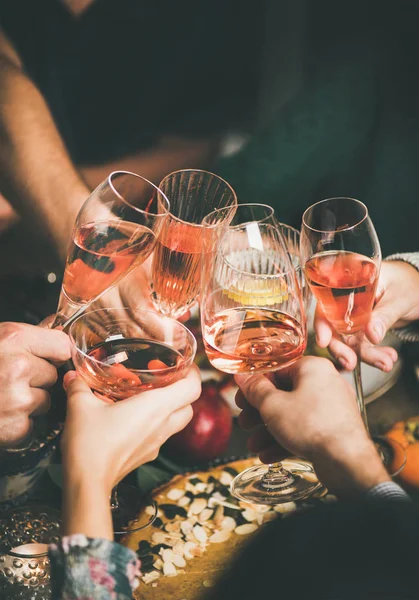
[349,470]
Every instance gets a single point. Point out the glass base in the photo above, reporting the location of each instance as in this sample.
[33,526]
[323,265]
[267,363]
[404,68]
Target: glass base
[258,485]
[392,454]
[133,512]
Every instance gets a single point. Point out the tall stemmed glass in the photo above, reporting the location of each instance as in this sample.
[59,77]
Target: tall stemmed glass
[253,321]
[176,266]
[341,256]
[120,352]
[115,231]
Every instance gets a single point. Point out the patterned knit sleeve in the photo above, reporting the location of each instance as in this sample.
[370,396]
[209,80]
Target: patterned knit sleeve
[92,569]
[410,333]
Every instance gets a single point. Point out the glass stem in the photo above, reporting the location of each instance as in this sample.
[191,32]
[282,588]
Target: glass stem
[277,476]
[355,341]
[114,499]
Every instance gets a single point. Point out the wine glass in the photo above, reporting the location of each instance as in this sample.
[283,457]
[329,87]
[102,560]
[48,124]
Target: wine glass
[341,257]
[120,352]
[176,265]
[115,231]
[253,321]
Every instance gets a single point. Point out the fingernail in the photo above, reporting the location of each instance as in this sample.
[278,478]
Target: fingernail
[380,365]
[68,378]
[344,363]
[379,330]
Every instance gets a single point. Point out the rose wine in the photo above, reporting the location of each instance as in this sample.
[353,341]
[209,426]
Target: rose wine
[243,340]
[176,269]
[130,365]
[344,284]
[100,254]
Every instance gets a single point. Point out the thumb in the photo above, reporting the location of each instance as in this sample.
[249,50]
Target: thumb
[74,385]
[387,311]
[255,388]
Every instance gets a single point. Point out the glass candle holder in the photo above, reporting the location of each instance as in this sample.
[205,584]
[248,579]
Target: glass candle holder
[25,533]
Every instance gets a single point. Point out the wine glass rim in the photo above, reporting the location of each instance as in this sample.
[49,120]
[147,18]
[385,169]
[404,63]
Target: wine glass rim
[125,201]
[342,229]
[200,225]
[189,334]
[238,206]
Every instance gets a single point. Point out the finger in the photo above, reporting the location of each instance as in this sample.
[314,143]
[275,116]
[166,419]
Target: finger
[75,387]
[343,353]
[322,328]
[47,322]
[257,389]
[259,440]
[50,344]
[12,434]
[178,420]
[173,397]
[240,400]
[273,454]
[380,357]
[41,401]
[249,418]
[42,373]
[386,312]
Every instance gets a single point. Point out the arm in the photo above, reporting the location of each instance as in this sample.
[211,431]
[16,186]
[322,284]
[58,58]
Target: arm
[103,442]
[36,173]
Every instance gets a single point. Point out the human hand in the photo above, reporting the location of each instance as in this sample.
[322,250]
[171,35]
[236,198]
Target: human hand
[106,441]
[29,356]
[397,304]
[317,418]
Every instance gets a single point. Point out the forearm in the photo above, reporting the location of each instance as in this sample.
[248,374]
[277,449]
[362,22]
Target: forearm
[352,469]
[36,173]
[86,507]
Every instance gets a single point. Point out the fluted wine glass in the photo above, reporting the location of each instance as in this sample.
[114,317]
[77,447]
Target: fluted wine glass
[176,265]
[115,231]
[253,321]
[341,257]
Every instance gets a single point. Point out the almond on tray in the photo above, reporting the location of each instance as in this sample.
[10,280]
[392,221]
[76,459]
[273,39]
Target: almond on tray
[192,542]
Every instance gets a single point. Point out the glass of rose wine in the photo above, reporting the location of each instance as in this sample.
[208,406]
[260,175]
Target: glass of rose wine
[120,352]
[115,231]
[176,265]
[253,321]
[341,257]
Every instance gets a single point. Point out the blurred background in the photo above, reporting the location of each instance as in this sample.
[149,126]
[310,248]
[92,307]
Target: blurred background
[291,101]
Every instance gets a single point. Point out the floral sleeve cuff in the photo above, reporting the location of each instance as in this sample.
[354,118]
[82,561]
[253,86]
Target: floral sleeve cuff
[92,569]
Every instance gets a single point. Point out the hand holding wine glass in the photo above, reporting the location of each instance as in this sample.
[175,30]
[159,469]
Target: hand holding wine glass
[102,443]
[341,255]
[396,305]
[295,405]
[120,353]
[253,321]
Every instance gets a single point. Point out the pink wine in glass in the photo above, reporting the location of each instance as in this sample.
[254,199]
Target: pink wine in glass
[253,340]
[119,368]
[177,268]
[344,284]
[100,254]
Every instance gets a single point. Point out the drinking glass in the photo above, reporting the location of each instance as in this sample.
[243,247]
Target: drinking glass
[115,231]
[253,321]
[120,352]
[341,257]
[176,265]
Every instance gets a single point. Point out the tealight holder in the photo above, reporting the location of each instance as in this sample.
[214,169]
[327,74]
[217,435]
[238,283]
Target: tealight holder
[25,534]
